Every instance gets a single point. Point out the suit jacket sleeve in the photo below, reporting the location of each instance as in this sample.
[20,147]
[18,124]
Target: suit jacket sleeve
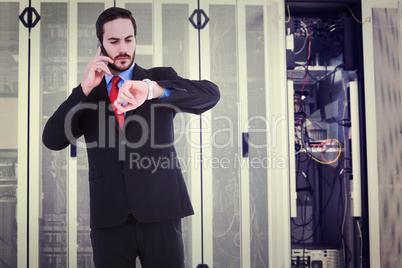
[63,128]
[190,96]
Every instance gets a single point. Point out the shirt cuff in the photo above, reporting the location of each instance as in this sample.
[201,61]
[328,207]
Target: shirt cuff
[166,93]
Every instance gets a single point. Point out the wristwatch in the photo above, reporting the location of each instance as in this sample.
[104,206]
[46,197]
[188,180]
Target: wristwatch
[150,88]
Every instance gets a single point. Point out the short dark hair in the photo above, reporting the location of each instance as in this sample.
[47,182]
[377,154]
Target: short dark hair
[110,14]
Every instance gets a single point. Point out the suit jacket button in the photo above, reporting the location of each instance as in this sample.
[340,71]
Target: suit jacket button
[123,143]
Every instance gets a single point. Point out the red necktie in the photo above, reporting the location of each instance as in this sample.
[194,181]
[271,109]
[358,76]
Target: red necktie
[114,91]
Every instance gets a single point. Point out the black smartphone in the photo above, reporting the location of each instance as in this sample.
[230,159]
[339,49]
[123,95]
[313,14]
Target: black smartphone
[103,52]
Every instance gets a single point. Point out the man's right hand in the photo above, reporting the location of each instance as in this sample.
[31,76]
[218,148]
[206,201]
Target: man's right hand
[96,69]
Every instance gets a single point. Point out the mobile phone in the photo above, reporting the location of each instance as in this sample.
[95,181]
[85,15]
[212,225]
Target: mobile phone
[103,52]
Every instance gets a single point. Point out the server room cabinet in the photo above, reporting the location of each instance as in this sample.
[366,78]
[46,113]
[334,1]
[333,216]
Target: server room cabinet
[329,224]
[243,154]
[247,146]
[372,237]
[13,138]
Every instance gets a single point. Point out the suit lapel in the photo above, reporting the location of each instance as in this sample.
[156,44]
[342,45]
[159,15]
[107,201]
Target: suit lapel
[139,73]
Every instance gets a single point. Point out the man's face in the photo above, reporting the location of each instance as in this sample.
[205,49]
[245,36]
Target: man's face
[119,43]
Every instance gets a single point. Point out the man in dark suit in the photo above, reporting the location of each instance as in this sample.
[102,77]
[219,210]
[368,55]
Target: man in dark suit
[137,192]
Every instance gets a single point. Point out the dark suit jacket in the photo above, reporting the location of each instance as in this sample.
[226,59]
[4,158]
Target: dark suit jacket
[135,170]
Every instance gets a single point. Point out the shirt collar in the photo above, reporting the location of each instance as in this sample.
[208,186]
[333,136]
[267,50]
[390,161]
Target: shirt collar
[126,75]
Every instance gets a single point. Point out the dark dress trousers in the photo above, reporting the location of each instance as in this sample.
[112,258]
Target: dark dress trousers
[134,171]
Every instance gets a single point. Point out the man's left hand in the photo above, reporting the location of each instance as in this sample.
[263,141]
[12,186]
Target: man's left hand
[134,93]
